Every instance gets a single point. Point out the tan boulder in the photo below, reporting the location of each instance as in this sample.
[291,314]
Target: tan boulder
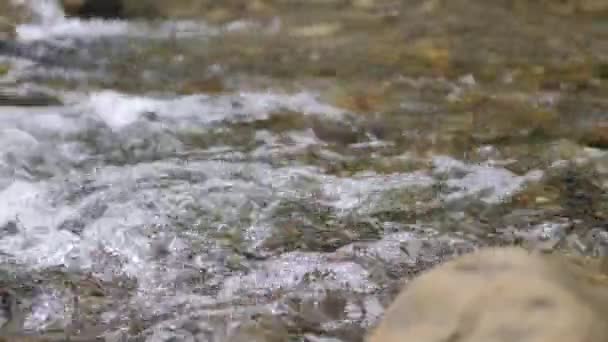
[501,294]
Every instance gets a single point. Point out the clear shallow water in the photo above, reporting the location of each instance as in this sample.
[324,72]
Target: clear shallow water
[220,217]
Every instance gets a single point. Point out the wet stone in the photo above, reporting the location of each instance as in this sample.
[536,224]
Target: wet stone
[481,297]
[27,99]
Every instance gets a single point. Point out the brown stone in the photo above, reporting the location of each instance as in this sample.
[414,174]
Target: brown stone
[501,294]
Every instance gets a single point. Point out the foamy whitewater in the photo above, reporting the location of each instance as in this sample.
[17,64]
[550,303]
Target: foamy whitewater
[212,212]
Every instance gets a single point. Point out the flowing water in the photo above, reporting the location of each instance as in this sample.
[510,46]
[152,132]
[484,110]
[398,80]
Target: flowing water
[199,182]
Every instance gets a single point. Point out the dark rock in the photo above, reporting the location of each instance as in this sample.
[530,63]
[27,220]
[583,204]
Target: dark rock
[10,228]
[106,9]
[118,9]
[27,99]
[336,132]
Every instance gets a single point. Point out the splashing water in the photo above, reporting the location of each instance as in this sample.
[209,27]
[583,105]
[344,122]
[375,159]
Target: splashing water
[195,215]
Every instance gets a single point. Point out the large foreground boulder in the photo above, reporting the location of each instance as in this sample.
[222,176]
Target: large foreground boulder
[501,295]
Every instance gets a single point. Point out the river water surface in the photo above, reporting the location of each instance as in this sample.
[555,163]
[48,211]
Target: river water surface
[279,180]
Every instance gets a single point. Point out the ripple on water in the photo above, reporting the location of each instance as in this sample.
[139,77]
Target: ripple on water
[119,110]
[183,223]
[303,272]
[212,209]
[491,184]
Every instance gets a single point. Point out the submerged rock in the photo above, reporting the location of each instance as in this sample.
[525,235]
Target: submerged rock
[11,319]
[117,9]
[506,294]
[94,8]
[27,99]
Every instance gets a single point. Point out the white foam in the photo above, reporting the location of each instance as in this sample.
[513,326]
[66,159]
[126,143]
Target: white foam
[99,28]
[50,21]
[71,28]
[305,271]
[16,141]
[37,243]
[41,243]
[24,201]
[119,110]
[37,122]
[359,192]
[45,11]
[492,184]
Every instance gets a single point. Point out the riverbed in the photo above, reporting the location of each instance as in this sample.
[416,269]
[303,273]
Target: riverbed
[279,177]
